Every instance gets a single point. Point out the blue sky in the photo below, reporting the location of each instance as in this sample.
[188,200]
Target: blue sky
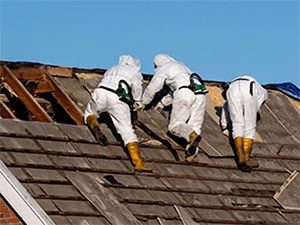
[217,39]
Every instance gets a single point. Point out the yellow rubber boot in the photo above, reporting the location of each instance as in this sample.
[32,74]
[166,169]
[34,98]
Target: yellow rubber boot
[94,126]
[133,150]
[192,148]
[248,144]
[192,137]
[238,142]
[92,121]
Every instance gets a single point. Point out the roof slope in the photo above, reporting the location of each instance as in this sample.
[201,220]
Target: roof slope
[77,181]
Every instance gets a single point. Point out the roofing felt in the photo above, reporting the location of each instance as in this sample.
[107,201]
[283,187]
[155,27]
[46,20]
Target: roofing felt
[77,181]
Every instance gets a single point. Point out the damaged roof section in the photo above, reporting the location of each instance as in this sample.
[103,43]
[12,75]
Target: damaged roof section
[23,87]
[76,181]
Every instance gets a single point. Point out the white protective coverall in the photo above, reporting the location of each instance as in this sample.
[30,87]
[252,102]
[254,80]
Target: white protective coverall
[103,100]
[245,96]
[187,108]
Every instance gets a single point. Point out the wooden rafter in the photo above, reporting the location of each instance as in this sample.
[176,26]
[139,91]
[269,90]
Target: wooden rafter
[31,104]
[46,83]
[5,112]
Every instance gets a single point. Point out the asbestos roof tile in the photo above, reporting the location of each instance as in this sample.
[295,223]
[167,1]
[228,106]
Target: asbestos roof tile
[290,150]
[291,165]
[150,182]
[6,157]
[266,149]
[258,217]
[18,143]
[13,127]
[202,200]
[166,197]
[288,194]
[60,220]
[90,148]
[32,159]
[35,190]
[60,191]
[220,187]
[279,152]
[75,206]
[56,146]
[96,150]
[151,211]
[182,183]
[284,111]
[19,173]
[159,153]
[270,133]
[272,164]
[107,164]
[44,131]
[70,162]
[81,134]
[45,175]
[246,201]
[115,151]
[174,169]
[274,177]
[87,220]
[140,195]
[159,221]
[291,218]
[212,151]
[48,205]
[37,129]
[215,215]
[209,173]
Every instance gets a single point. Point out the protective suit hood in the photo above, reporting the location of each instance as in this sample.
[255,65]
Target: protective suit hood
[161,59]
[129,60]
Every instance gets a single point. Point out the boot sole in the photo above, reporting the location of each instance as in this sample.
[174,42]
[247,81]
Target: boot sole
[253,165]
[245,168]
[100,137]
[193,149]
[145,171]
[190,158]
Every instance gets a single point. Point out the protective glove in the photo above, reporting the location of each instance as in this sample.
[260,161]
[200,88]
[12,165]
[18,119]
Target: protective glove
[225,131]
[223,127]
[159,107]
[138,106]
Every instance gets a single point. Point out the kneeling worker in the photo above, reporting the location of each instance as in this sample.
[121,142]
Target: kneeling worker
[119,90]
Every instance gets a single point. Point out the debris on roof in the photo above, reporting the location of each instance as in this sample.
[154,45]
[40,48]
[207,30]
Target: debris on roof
[288,194]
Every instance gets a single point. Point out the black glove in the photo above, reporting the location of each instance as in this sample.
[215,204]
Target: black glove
[100,137]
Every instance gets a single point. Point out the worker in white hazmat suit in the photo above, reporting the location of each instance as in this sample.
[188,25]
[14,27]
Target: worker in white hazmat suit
[188,99]
[245,97]
[119,89]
